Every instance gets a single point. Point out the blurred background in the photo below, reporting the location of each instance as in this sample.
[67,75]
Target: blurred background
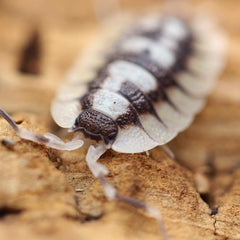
[40,39]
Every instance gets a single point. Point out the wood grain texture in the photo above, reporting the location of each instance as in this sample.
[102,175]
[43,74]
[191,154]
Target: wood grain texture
[46,194]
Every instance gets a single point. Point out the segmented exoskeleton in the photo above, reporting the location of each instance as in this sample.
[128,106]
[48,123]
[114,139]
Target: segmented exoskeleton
[145,89]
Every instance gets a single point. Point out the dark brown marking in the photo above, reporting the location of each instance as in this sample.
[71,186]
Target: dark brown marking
[183,53]
[96,125]
[138,99]
[87,101]
[41,139]
[8,143]
[101,75]
[150,34]
[157,95]
[160,95]
[169,81]
[130,117]
[31,55]
[7,211]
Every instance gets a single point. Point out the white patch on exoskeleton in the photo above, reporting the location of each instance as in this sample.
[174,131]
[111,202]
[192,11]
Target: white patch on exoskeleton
[174,29]
[110,103]
[169,43]
[122,71]
[150,23]
[133,139]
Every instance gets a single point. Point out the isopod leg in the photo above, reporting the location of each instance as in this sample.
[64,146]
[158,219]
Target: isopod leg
[100,171]
[47,139]
[155,213]
[168,151]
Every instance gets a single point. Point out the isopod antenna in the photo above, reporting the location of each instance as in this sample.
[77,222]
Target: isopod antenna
[47,139]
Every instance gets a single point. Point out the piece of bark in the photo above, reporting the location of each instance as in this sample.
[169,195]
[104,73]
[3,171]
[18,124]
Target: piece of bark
[31,184]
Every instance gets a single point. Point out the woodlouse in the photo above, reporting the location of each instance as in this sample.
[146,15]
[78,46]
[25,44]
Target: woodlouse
[142,93]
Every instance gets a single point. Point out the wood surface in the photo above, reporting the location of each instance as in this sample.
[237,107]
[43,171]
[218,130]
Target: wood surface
[49,194]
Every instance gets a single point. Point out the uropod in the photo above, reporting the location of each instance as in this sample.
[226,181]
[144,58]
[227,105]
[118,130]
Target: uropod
[136,92]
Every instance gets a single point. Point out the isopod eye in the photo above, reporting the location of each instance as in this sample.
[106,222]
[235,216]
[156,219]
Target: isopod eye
[112,135]
[96,125]
[76,124]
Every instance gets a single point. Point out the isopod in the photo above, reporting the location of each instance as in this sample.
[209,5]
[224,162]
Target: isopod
[146,88]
